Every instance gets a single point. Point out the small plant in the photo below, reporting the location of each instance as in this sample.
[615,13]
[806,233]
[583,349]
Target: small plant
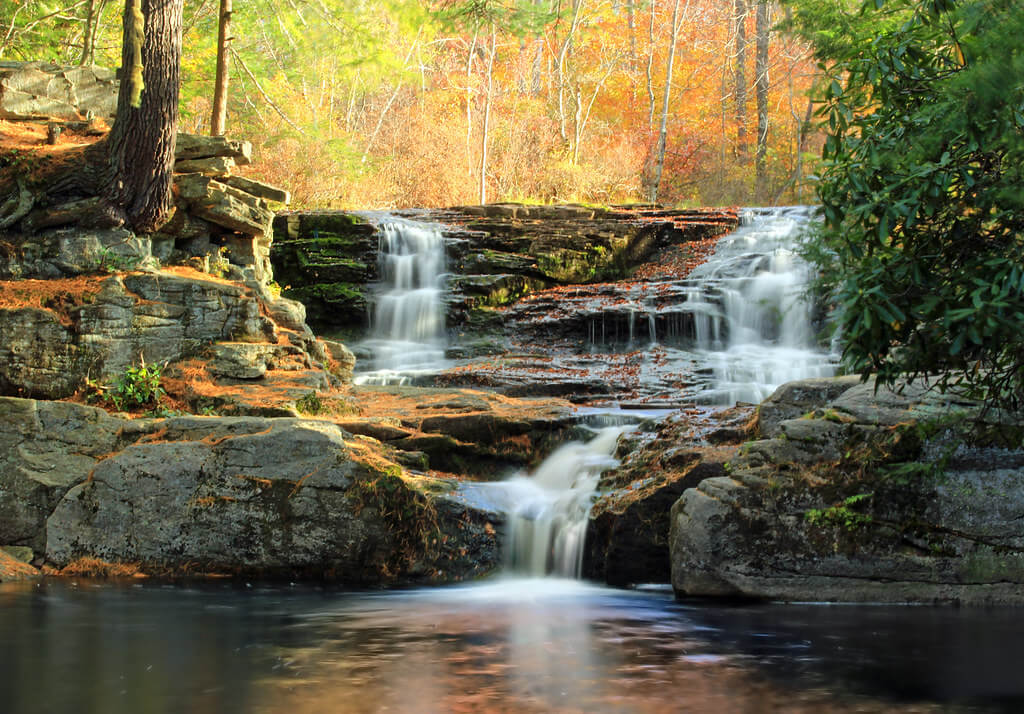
[841,514]
[219,263]
[107,261]
[135,387]
[310,404]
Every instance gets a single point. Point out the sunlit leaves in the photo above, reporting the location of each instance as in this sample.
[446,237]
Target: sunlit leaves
[924,210]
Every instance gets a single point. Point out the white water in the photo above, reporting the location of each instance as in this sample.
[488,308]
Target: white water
[407,335]
[754,326]
[547,521]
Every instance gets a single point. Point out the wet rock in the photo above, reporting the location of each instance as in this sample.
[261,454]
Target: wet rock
[628,529]
[326,260]
[795,399]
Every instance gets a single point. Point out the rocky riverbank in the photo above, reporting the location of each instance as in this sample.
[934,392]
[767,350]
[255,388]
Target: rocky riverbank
[833,492]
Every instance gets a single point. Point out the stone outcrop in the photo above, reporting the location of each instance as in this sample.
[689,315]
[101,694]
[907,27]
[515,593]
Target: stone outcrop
[326,260]
[193,494]
[627,533]
[99,328]
[39,90]
[497,253]
[865,496]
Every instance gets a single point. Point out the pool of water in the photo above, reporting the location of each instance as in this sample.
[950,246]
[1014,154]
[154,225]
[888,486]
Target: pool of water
[510,645]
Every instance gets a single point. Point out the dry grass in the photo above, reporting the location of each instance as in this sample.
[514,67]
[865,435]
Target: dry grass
[89,567]
[13,569]
[25,136]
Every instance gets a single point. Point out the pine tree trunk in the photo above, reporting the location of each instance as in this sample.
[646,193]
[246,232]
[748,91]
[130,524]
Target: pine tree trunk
[140,147]
[218,121]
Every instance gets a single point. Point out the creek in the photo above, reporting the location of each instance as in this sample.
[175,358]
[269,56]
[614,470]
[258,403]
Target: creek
[521,642]
[511,645]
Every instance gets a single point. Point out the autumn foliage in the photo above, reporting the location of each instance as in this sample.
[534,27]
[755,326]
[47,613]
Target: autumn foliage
[382,104]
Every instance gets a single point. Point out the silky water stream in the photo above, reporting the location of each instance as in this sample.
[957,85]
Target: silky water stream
[407,332]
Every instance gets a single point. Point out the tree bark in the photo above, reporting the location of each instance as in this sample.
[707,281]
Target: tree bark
[659,160]
[487,115]
[140,147]
[763,33]
[220,86]
[740,18]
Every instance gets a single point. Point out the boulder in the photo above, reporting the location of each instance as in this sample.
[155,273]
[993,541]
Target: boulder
[215,495]
[210,166]
[13,569]
[45,449]
[258,189]
[33,90]
[223,205]
[341,361]
[65,252]
[887,496]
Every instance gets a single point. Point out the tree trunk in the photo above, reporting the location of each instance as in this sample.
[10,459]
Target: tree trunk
[650,69]
[220,87]
[140,147]
[763,31]
[740,19]
[659,160]
[487,115]
[89,34]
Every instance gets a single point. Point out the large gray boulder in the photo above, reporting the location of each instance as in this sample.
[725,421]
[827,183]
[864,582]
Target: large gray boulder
[40,90]
[45,449]
[872,497]
[274,497]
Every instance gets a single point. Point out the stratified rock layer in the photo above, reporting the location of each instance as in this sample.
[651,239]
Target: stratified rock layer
[497,253]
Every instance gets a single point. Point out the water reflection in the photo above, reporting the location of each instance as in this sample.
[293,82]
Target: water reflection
[511,645]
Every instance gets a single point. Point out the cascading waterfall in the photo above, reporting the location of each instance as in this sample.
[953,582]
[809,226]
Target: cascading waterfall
[548,517]
[407,335]
[753,321]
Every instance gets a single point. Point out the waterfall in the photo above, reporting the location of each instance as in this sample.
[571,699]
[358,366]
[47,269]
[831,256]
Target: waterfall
[548,517]
[754,321]
[407,333]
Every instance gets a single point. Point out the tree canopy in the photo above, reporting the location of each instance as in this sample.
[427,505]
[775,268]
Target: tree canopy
[922,187]
[359,103]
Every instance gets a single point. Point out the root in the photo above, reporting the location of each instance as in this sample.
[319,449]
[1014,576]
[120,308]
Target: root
[17,206]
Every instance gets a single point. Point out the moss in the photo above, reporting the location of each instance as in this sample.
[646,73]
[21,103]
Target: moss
[328,292]
[330,222]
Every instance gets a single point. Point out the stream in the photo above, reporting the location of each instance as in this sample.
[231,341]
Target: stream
[522,642]
[509,645]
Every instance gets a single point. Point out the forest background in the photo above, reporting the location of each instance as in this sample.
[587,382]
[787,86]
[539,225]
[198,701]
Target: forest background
[396,103]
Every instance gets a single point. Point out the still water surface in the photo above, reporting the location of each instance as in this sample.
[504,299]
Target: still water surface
[524,645]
